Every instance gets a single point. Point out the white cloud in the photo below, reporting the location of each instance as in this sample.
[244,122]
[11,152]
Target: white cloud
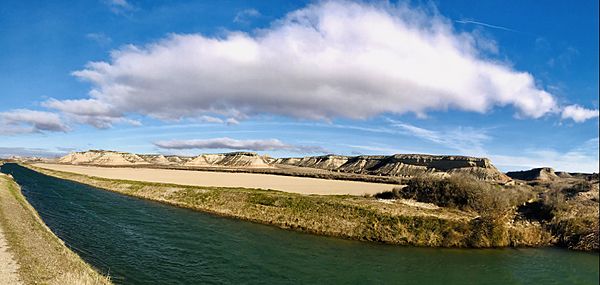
[578,114]
[328,60]
[229,143]
[90,111]
[30,121]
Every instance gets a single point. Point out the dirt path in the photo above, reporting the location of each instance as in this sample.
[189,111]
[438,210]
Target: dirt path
[8,266]
[301,185]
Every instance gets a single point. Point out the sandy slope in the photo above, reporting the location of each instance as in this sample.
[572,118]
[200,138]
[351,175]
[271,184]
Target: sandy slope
[222,179]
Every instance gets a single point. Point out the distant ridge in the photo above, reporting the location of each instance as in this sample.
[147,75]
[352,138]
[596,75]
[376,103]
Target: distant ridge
[114,158]
[539,174]
[398,165]
[404,165]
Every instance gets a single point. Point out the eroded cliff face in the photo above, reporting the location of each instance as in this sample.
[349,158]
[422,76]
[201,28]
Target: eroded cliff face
[399,165]
[102,157]
[233,159]
[113,158]
[404,165]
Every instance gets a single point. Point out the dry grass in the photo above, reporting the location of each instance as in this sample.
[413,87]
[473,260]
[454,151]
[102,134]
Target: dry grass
[42,257]
[573,209]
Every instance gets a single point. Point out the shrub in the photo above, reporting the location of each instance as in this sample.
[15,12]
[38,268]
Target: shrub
[457,191]
[462,192]
[394,194]
[580,186]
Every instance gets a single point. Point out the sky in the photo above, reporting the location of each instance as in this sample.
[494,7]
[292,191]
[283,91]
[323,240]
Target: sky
[514,81]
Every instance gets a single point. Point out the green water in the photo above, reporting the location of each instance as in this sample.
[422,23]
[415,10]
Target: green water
[143,242]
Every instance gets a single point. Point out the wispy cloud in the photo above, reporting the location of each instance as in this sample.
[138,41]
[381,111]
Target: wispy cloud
[6,152]
[244,16]
[469,141]
[377,149]
[234,144]
[467,21]
[119,6]
[565,58]
[99,38]
[465,140]
[582,158]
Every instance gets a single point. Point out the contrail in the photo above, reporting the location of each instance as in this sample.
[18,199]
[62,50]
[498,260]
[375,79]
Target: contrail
[485,25]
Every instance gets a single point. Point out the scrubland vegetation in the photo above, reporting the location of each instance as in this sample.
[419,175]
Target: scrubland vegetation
[571,211]
[563,212]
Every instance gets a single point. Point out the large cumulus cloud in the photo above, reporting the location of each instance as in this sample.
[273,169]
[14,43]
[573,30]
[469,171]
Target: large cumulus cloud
[328,60]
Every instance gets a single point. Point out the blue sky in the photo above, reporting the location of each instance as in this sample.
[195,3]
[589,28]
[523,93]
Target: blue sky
[515,82]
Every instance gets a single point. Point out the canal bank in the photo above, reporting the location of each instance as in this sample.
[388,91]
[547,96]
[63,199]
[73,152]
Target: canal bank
[39,256]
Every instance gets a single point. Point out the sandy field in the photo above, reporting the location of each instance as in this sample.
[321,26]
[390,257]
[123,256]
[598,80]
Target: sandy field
[291,184]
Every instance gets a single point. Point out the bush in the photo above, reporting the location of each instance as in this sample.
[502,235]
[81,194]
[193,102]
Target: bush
[462,192]
[458,191]
[394,194]
[581,186]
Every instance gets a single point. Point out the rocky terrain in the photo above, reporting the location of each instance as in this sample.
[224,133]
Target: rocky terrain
[113,158]
[542,174]
[102,158]
[399,165]
[403,165]
[548,174]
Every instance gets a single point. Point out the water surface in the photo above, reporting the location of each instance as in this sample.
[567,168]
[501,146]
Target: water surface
[144,242]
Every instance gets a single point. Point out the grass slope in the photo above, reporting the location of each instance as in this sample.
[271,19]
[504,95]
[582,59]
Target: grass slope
[42,257]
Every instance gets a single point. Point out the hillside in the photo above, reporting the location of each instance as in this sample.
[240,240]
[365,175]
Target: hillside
[399,165]
[403,165]
[102,157]
[539,174]
[113,158]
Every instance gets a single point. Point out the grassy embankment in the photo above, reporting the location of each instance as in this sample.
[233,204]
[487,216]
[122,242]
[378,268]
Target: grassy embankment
[42,257]
[360,218]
